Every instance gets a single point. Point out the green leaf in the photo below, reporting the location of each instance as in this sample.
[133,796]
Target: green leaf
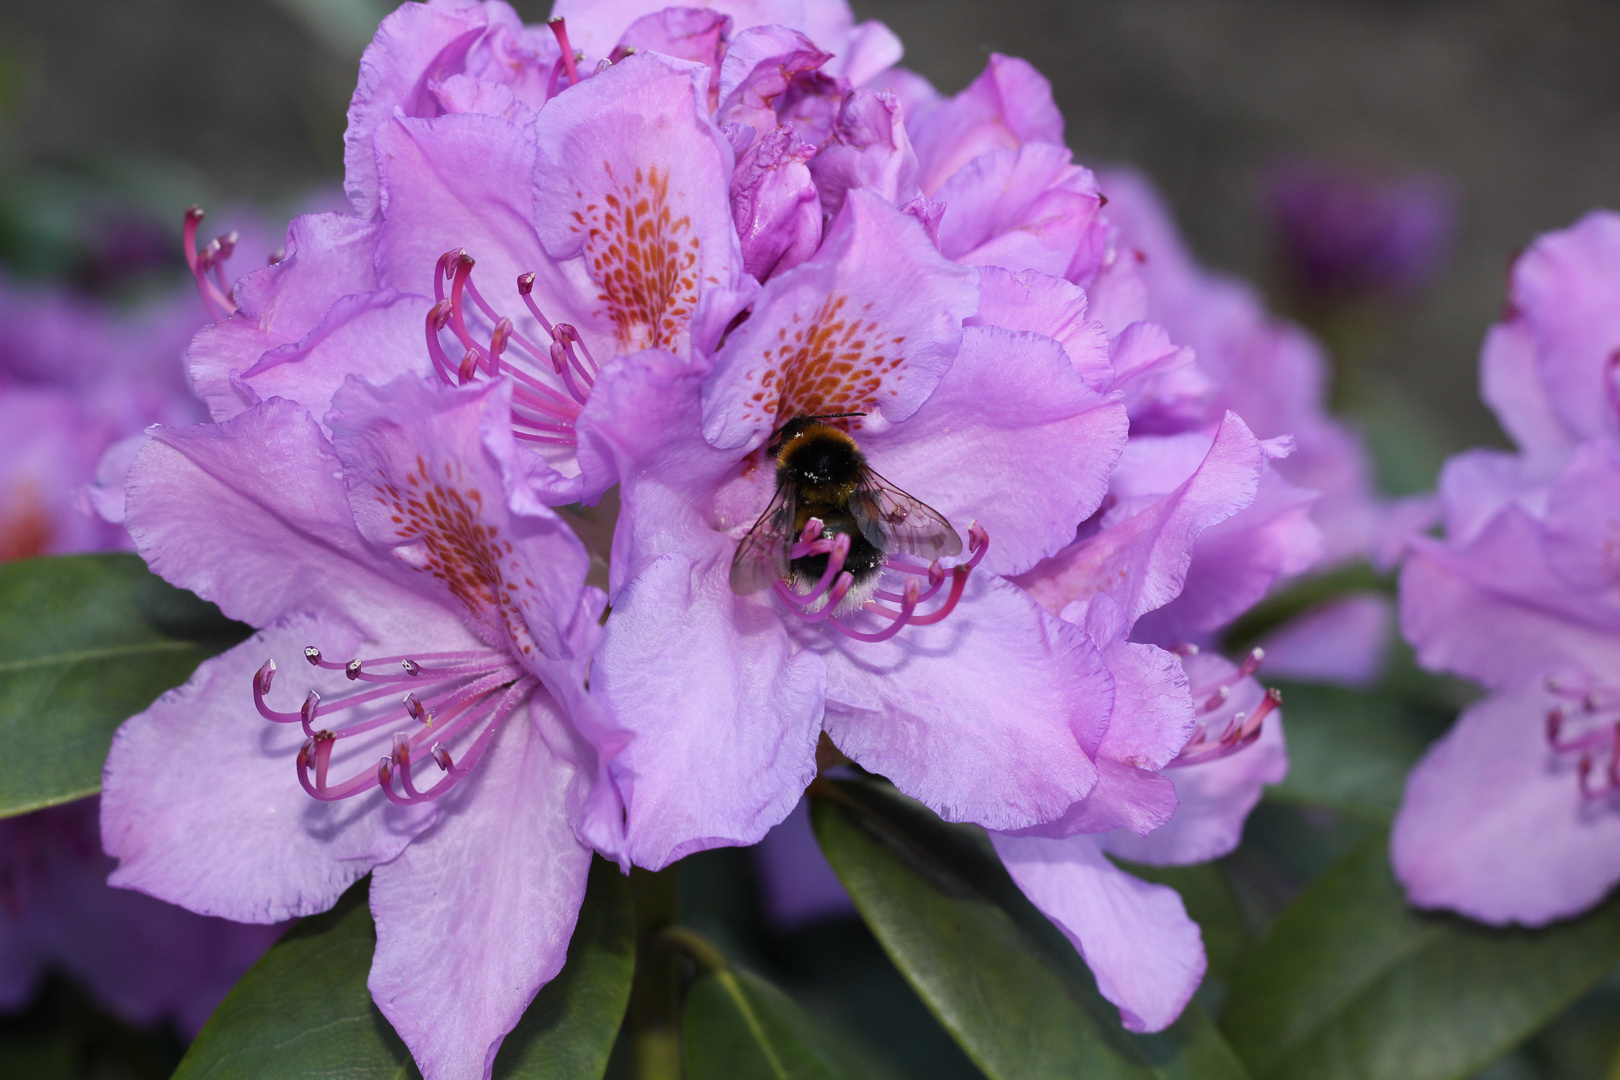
[568,1031]
[998,975]
[303,1012]
[1351,983]
[740,1027]
[1211,903]
[1350,750]
[85,642]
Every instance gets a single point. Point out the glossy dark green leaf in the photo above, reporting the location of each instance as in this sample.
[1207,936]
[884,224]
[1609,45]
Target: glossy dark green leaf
[1350,750]
[1212,904]
[303,1012]
[86,641]
[568,1032]
[1350,984]
[997,974]
[740,1027]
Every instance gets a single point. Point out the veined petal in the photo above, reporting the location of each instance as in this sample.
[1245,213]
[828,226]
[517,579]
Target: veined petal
[633,180]
[252,515]
[1013,438]
[869,325]
[1147,955]
[201,805]
[1494,823]
[1009,104]
[980,716]
[475,915]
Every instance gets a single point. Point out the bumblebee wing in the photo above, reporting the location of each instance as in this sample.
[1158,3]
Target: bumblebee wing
[894,521]
[762,555]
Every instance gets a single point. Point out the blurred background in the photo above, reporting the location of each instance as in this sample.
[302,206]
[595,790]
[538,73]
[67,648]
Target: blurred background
[1485,122]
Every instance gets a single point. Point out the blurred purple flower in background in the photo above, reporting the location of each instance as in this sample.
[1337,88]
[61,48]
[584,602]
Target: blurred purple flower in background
[144,960]
[1343,235]
[1514,816]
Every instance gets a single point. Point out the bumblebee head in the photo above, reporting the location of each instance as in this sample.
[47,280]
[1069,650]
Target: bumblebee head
[797,426]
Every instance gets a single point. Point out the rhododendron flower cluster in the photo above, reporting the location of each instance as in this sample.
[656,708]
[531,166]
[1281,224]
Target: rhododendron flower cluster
[1511,816]
[628,249]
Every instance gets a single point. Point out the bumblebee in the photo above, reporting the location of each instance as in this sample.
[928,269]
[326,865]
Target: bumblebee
[821,473]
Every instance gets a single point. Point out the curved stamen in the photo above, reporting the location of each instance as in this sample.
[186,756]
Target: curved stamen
[559,29]
[541,413]
[1242,731]
[215,293]
[820,604]
[451,692]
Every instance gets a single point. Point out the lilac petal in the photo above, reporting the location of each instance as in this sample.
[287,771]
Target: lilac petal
[475,916]
[1025,208]
[808,349]
[594,25]
[1495,611]
[1147,955]
[1151,720]
[50,449]
[427,474]
[868,149]
[872,48]
[774,203]
[1494,824]
[980,716]
[1215,796]
[1029,300]
[1510,382]
[1142,560]
[1009,104]
[458,181]
[1163,388]
[693,34]
[760,65]
[1345,641]
[714,693]
[375,336]
[1236,561]
[413,47]
[716,699]
[1476,485]
[252,515]
[632,176]
[797,884]
[201,805]
[1564,287]
[1012,438]
[327,256]
[1583,525]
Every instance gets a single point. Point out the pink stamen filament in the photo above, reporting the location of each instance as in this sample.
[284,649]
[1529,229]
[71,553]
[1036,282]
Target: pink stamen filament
[836,583]
[541,413]
[215,293]
[1587,704]
[451,693]
[559,29]
[1242,731]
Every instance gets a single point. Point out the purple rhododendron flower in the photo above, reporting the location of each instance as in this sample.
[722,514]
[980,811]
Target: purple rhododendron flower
[1511,817]
[682,251]
[144,960]
[952,683]
[471,628]
[1344,235]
